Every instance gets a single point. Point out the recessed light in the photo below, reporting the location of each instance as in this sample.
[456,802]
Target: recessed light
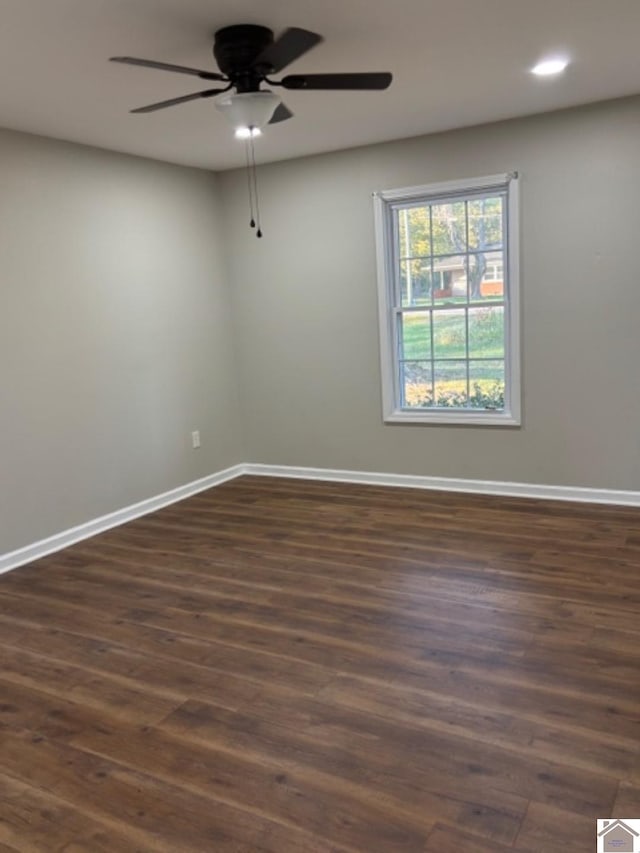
[550,66]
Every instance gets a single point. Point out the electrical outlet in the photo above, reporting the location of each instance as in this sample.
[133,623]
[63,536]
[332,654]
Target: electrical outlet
[195,438]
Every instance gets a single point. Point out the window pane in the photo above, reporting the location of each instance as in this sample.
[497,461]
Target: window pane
[415,335]
[485,223]
[450,279]
[415,282]
[486,384]
[486,332]
[494,267]
[486,276]
[449,228]
[417,389]
[449,334]
[413,230]
[450,383]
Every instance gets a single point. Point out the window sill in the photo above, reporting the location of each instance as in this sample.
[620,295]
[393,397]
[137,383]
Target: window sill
[447,418]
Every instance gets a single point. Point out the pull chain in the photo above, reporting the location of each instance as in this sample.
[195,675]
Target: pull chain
[252,222]
[254,175]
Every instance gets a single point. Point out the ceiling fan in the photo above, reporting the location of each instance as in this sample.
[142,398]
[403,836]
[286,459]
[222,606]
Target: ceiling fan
[247,55]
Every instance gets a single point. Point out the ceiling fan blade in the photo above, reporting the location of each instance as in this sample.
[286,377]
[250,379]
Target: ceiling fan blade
[374,80]
[208,93]
[293,43]
[165,66]
[282,113]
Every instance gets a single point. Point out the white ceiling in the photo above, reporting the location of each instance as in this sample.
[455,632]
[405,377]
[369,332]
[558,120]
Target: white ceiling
[455,63]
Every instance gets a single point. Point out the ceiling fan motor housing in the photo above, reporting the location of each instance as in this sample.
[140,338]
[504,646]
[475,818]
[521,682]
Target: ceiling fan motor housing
[235,50]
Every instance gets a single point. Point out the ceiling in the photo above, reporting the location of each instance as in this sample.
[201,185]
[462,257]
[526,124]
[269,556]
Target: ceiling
[455,63]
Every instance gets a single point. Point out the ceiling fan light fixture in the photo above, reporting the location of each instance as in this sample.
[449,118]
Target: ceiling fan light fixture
[248,112]
[245,132]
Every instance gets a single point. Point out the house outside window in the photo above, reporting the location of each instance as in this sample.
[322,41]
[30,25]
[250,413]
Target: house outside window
[449,302]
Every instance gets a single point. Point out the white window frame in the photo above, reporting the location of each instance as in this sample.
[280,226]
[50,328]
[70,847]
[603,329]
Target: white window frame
[385,202]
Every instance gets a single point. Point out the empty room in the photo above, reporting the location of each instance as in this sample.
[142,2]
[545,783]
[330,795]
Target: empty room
[319,426]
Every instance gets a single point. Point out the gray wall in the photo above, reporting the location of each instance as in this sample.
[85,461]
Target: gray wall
[304,302]
[120,278]
[115,338]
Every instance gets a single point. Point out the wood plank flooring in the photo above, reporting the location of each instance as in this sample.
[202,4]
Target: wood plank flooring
[280,666]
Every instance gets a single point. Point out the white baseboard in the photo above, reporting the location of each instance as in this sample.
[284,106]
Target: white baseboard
[98,525]
[451,484]
[14,559]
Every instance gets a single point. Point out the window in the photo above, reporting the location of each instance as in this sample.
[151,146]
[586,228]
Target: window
[448,302]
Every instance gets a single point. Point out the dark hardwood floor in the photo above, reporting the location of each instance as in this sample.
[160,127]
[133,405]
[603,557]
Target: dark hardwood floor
[302,667]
